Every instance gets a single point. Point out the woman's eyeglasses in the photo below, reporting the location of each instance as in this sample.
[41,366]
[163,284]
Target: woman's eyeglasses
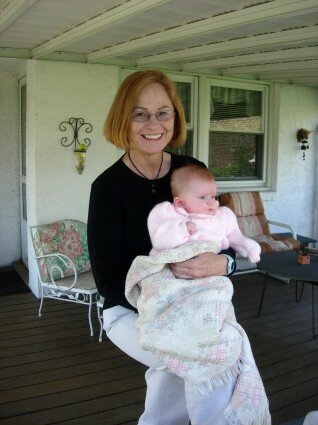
[144,116]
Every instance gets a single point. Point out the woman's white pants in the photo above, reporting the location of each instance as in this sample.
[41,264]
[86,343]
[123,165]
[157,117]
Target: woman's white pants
[169,399]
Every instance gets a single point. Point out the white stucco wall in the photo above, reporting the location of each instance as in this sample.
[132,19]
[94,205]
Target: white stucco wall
[10,245]
[294,200]
[58,91]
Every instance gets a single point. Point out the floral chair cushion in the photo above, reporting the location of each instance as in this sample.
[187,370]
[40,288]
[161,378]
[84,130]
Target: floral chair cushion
[68,237]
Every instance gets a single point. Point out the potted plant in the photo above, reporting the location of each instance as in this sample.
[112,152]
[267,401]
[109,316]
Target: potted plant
[80,154]
[303,255]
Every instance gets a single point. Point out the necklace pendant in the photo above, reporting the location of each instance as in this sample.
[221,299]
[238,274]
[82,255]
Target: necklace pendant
[153,182]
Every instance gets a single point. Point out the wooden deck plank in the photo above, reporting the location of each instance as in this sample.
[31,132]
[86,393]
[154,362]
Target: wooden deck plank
[57,353]
[35,327]
[111,417]
[91,366]
[295,363]
[73,409]
[294,394]
[52,371]
[295,410]
[293,379]
[63,392]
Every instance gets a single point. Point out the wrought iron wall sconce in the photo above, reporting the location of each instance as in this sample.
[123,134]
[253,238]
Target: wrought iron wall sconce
[76,126]
[302,136]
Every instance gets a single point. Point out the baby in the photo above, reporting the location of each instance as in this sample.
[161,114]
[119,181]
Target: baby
[195,215]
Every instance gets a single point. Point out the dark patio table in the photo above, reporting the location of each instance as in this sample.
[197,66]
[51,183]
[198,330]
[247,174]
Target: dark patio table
[284,264]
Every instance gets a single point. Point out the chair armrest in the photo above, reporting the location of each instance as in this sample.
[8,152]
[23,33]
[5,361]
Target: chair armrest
[66,261]
[276,223]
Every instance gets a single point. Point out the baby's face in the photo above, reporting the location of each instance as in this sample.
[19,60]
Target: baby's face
[200,197]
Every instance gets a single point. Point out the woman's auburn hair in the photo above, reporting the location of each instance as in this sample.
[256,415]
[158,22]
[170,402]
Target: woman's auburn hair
[117,124]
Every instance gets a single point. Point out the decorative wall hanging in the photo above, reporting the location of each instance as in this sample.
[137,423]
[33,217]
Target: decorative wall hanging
[302,136]
[81,143]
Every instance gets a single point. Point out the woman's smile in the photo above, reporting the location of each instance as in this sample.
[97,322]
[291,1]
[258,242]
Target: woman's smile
[152,136]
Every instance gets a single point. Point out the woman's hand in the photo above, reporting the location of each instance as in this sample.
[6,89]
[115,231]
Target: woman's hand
[203,265]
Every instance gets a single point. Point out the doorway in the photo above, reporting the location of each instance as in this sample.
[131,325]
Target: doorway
[23,171]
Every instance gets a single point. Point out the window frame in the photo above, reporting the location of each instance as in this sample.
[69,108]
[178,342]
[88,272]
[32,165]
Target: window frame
[244,183]
[193,125]
[200,123]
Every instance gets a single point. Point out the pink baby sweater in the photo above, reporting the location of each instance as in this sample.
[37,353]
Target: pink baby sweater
[167,229]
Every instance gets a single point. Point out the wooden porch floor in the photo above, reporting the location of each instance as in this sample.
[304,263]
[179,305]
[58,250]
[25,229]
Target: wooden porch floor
[53,372]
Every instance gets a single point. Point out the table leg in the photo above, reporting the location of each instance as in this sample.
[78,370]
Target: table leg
[313,311]
[298,296]
[263,294]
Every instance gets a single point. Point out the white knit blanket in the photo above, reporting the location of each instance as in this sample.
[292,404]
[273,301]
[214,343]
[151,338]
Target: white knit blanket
[191,327]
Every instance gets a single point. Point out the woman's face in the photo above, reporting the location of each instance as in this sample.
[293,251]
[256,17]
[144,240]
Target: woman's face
[152,136]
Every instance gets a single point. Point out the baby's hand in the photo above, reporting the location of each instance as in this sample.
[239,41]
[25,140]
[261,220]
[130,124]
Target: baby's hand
[191,227]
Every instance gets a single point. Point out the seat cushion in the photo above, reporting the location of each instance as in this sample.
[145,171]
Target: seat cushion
[85,282]
[275,242]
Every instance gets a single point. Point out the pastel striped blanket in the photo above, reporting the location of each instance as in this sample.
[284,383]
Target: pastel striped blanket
[190,326]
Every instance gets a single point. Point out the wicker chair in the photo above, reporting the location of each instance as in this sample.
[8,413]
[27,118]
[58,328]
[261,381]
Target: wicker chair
[63,263]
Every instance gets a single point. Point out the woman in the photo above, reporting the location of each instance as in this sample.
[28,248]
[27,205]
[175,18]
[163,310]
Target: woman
[146,116]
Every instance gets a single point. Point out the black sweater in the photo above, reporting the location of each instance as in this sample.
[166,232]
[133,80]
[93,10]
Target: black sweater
[117,232]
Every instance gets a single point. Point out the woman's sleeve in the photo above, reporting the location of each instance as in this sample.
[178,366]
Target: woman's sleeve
[106,243]
[230,253]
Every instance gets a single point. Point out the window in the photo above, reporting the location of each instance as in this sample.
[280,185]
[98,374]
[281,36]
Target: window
[231,128]
[186,89]
[237,131]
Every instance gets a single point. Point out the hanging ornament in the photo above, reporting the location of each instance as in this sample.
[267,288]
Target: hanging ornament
[302,136]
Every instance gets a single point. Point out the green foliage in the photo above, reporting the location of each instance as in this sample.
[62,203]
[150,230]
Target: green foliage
[241,168]
[81,148]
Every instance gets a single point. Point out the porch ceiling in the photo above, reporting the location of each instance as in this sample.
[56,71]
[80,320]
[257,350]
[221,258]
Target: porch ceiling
[271,40]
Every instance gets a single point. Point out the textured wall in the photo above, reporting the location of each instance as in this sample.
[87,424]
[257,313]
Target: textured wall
[58,91]
[61,91]
[10,245]
[294,200]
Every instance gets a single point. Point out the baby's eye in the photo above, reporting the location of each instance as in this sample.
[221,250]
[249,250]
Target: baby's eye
[203,197]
